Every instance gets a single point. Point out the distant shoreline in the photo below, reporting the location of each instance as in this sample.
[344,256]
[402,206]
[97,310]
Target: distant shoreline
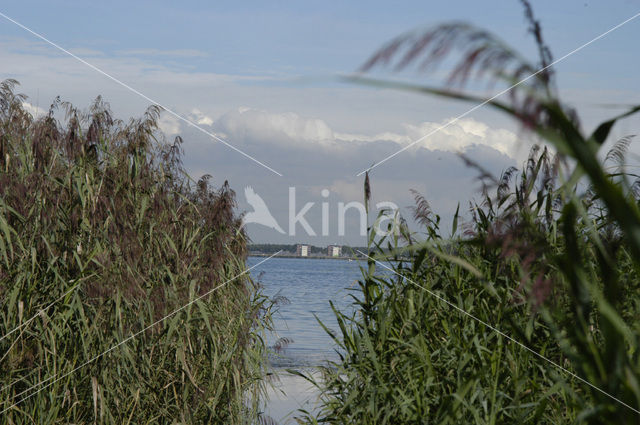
[314,257]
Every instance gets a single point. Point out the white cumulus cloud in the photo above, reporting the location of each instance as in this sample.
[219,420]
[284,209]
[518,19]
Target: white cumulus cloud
[169,124]
[277,128]
[200,117]
[292,129]
[34,110]
[455,137]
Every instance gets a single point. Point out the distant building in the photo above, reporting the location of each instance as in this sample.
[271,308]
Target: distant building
[303,250]
[334,250]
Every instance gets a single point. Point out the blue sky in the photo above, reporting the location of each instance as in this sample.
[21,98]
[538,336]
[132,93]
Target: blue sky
[261,74]
[302,37]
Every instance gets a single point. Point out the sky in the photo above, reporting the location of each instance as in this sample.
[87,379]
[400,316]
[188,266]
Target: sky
[264,77]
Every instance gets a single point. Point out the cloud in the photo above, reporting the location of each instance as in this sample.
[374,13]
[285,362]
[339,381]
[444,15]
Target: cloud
[176,53]
[286,129]
[246,124]
[200,118]
[462,134]
[42,68]
[85,52]
[34,110]
[455,137]
[169,124]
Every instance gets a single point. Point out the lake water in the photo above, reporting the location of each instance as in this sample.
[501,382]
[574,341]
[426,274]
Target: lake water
[309,285]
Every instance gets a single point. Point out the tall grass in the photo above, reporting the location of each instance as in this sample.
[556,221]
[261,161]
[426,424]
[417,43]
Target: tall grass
[549,258]
[102,234]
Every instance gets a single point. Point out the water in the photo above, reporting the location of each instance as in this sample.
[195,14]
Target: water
[309,285]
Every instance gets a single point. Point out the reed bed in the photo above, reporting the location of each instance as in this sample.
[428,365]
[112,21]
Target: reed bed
[526,311]
[102,234]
